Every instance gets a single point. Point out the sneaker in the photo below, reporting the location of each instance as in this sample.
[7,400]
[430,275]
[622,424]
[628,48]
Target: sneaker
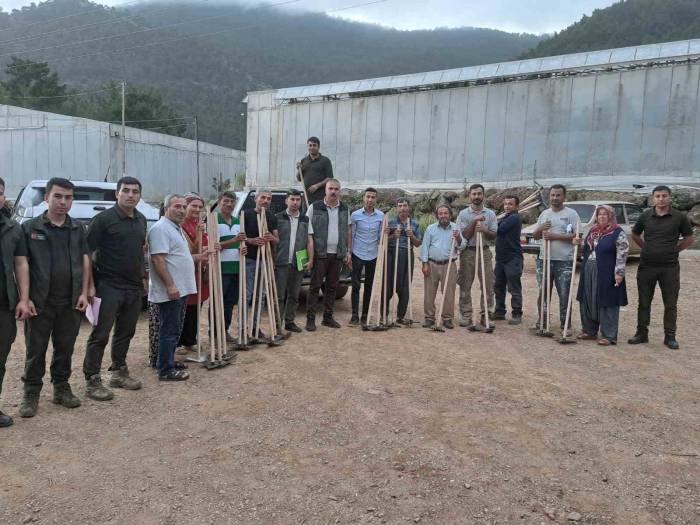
[515,320]
[63,395]
[29,405]
[94,389]
[121,379]
[292,327]
[499,317]
[447,323]
[464,322]
[5,420]
[330,322]
[354,320]
[181,351]
[310,324]
[428,323]
[670,342]
[404,322]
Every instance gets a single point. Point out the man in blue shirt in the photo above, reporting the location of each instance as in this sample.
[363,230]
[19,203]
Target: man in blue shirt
[509,262]
[435,255]
[366,230]
[404,230]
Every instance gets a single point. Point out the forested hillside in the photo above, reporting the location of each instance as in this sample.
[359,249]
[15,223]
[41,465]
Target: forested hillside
[170,47]
[626,23]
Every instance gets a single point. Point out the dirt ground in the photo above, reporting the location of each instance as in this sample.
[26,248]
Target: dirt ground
[410,425]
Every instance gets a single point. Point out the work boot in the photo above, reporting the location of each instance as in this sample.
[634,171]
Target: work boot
[354,320]
[428,323]
[29,405]
[447,323]
[292,327]
[310,323]
[63,395]
[5,420]
[121,379]
[670,342]
[95,390]
[638,339]
[515,320]
[499,317]
[330,322]
[464,322]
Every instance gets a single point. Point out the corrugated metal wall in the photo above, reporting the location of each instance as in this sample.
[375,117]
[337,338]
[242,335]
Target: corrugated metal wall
[594,129]
[37,145]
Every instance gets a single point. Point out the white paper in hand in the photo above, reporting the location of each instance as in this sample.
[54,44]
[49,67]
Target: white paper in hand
[92,312]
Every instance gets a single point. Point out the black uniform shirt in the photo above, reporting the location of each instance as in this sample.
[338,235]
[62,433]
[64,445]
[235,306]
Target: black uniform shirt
[661,233]
[313,172]
[61,289]
[250,219]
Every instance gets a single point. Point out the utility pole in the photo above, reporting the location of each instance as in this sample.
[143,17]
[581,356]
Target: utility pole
[196,143]
[123,128]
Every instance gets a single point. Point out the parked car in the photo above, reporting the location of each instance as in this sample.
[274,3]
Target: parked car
[245,200]
[89,199]
[625,212]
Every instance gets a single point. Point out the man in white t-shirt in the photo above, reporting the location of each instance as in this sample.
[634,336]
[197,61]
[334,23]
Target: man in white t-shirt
[171,280]
[558,224]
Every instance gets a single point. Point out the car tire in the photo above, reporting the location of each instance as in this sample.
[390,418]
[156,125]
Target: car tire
[341,292]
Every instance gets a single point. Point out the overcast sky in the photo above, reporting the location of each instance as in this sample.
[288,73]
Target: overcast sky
[532,16]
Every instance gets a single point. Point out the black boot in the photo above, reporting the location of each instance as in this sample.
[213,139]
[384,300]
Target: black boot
[670,342]
[638,338]
[310,323]
[5,420]
[330,322]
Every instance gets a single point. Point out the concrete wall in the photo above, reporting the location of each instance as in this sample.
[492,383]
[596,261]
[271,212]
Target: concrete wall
[597,129]
[39,145]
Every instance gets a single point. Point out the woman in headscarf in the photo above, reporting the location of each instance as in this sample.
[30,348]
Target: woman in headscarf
[601,287]
[191,225]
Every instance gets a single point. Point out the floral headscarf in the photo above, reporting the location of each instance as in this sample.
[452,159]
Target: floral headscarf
[598,231]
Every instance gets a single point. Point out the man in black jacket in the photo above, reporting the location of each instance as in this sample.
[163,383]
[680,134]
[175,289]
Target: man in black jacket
[117,237]
[14,288]
[59,270]
[293,228]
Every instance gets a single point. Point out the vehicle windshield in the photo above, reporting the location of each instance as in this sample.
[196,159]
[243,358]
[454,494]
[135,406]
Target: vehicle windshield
[81,193]
[585,211]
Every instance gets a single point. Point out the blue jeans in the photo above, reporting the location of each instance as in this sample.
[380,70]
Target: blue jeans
[561,277]
[230,293]
[171,315]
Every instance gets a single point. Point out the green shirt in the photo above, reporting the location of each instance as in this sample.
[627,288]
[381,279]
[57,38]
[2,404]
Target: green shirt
[230,256]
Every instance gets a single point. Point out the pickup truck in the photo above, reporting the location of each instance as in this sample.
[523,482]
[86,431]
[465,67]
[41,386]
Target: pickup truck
[90,198]
[626,213]
[245,200]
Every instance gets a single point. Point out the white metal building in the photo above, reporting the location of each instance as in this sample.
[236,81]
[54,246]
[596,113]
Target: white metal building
[39,145]
[606,118]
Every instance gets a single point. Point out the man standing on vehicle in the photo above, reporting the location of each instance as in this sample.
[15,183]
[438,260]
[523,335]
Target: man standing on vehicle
[60,276]
[475,218]
[316,171]
[293,228]
[365,232]
[662,227]
[116,237]
[557,224]
[329,221]
[509,262]
[15,304]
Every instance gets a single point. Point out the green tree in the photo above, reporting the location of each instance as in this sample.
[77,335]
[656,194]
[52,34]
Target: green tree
[33,85]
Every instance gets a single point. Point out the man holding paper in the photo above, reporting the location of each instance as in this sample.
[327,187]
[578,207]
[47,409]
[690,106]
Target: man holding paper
[294,257]
[116,237]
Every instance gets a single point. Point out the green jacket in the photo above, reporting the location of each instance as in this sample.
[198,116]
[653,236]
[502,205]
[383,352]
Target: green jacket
[10,236]
[35,234]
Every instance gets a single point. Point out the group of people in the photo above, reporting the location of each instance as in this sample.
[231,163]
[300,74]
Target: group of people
[53,270]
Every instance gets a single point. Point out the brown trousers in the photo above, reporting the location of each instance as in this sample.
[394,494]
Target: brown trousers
[438,276]
[467,268]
